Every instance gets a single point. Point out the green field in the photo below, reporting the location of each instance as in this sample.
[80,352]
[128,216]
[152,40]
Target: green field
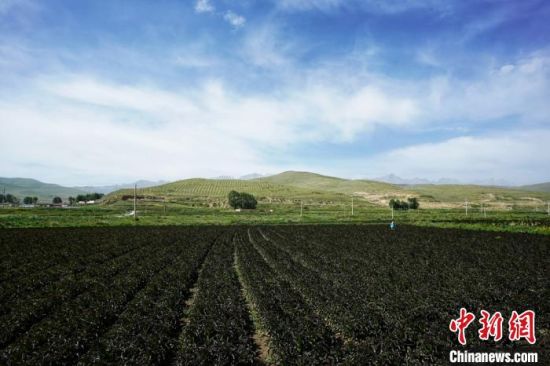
[300,197]
[153,213]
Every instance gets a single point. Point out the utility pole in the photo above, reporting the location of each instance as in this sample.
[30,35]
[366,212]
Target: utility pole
[351,205]
[135,198]
[392,213]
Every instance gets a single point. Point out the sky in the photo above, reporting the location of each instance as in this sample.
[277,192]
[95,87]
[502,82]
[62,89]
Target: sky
[106,92]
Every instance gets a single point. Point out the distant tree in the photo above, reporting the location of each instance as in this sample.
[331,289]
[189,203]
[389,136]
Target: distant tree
[35,200]
[89,197]
[234,199]
[248,201]
[2,198]
[10,198]
[72,201]
[28,200]
[57,200]
[399,205]
[413,203]
[241,200]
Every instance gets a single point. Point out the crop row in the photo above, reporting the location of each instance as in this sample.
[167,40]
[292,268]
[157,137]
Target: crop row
[410,282]
[146,332]
[297,336]
[28,310]
[67,333]
[219,329]
[50,280]
[346,311]
[46,248]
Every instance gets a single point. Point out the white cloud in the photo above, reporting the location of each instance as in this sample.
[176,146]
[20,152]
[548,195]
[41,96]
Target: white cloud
[520,89]
[234,19]
[515,155]
[81,125]
[204,6]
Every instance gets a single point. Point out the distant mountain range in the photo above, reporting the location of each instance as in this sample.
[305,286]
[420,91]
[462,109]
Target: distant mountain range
[116,187]
[394,179]
[242,177]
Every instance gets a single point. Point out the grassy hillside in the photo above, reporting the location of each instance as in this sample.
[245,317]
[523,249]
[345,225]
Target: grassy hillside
[430,195]
[214,192]
[292,187]
[378,193]
[495,196]
[332,184]
[541,187]
[21,187]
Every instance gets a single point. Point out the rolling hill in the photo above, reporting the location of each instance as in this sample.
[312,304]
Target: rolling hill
[214,192]
[21,187]
[292,187]
[431,195]
[541,187]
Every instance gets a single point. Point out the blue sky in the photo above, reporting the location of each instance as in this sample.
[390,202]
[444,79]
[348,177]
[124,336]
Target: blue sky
[101,92]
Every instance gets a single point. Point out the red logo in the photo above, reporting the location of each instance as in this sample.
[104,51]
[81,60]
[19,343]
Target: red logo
[520,326]
[491,326]
[461,324]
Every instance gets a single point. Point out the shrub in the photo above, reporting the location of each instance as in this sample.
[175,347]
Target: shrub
[411,203]
[241,200]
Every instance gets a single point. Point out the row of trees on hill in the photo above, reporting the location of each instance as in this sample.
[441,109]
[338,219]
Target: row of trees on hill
[241,200]
[410,204]
[89,197]
[28,200]
[8,198]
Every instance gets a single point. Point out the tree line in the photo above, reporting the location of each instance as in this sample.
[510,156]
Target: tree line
[33,200]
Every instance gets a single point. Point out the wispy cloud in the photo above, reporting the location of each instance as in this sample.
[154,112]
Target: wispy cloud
[374,6]
[204,6]
[309,4]
[265,46]
[234,19]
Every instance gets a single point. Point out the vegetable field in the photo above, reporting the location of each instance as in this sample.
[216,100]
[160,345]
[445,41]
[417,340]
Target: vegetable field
[284,295]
